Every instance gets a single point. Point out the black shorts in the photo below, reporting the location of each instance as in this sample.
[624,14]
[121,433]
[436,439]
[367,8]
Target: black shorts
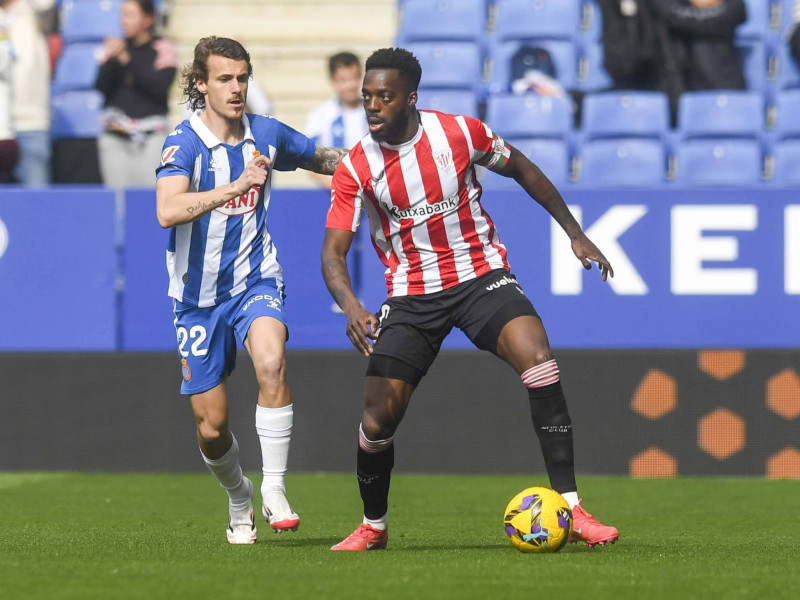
[413,328]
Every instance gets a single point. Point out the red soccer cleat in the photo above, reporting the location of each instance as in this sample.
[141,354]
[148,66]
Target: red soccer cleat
[365,537]
[585,528]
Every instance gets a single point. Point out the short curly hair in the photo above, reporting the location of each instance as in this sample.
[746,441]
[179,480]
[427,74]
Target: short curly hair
[401,59]
[198,69]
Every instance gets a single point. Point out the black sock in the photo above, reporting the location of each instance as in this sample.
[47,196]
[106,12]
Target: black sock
[374,473]
[554,429]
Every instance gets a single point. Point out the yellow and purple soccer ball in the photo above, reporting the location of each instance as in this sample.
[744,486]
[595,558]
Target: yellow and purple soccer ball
[538,519]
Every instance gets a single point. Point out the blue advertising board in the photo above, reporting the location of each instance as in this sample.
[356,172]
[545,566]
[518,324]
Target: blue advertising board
[58,269]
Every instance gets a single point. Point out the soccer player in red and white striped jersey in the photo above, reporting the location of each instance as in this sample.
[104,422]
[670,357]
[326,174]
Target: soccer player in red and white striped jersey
[414,176]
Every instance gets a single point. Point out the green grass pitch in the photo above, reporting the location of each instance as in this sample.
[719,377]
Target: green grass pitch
[65,535]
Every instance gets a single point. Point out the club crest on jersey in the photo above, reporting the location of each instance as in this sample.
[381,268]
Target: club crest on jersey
[186,372]
[241,205]
[444,159]
[168,155]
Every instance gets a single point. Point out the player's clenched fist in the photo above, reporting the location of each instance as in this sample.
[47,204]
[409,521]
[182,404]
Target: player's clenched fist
[254,174]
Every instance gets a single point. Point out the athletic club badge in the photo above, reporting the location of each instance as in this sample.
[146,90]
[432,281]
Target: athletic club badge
[444,159]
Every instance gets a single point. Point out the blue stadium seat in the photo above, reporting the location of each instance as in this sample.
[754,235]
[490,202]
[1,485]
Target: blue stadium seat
[787,114]
[77,67]
[562,53]
[526,19]
[623,162]
[454,102]
[787,163]
[721,162]
[591,27]
[755,63]
[721,113]
[452,65]
[787,72]
[592,75]
[626,114]
[440,20]
[90,20]
[756,26]
[551,156]
[76,114]
[529,116]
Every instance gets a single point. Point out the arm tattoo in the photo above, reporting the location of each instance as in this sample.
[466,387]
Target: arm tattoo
[325,160]
[203,207]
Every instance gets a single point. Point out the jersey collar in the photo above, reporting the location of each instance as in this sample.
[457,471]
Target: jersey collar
[208,138]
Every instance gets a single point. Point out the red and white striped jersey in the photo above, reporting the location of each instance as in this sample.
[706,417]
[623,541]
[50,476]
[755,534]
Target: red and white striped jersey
[423,202]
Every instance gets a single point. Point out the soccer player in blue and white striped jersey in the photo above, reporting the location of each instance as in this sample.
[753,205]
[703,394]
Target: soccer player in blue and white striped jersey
[213,191]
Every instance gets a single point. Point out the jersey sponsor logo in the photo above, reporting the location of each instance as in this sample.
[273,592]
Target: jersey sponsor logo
[427,210]
[272,302]
[168,155]
[504,280]
[241,205]
[444,159]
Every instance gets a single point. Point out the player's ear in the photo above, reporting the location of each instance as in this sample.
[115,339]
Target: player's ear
[412,99]
[201,86]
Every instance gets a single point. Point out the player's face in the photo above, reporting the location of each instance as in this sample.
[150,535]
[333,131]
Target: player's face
[346,82]
[226,88]
[390,106]
[134,21]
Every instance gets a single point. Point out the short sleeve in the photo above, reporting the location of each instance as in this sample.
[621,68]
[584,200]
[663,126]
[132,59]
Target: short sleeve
[296,150]
[346,198]
[177,156]
[481,137]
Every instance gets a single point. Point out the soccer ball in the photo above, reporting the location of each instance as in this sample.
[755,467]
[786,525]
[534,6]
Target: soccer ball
[538,519]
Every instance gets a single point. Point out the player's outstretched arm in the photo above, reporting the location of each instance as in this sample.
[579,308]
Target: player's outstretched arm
[176,205]
[325,160]
[541,189]
[361,324]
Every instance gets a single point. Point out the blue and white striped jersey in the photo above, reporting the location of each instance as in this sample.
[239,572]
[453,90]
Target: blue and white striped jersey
[229,249]
[332,125]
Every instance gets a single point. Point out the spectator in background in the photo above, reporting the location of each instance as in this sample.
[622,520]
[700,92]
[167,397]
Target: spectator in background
[31,92]
[794,36]
[672,45]
[9,151]
[340,122]
[135,76]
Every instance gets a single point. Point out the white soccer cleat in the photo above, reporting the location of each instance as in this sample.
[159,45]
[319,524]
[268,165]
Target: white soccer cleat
[242,523]
[277,511]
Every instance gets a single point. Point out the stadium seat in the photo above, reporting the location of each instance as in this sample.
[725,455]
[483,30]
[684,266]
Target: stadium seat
[787,114]
[76,114]
[551,156]
[592,75]
[626,114]
[786,157]
[546,19]
[442,20]
[529,115]
[454,102]
[787,71]
[562,53]
[591,27]
[722,113]
[755,63]
[77,67]
[721,162]
[90,20]
[452,65]
[756,25]
[623,162]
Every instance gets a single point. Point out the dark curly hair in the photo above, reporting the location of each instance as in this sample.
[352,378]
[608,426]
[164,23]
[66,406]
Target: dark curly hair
[401,59]
[198,69]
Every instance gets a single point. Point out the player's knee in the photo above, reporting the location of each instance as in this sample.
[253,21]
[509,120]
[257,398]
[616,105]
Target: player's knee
[211,429]
[270,369]
[375,426]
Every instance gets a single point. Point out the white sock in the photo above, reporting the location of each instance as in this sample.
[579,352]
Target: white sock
[381,523]
[229,474]
[274,427]
[571,498]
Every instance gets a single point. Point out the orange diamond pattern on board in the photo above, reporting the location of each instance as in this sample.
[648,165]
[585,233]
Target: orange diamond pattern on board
[653,462]
[783,394]
[721,433]
[721,364]
[784,464]
[655,396]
